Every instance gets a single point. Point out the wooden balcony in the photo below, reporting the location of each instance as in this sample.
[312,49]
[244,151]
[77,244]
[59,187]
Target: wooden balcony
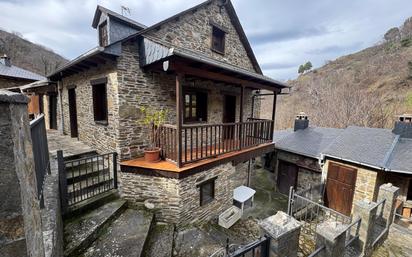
[202,141]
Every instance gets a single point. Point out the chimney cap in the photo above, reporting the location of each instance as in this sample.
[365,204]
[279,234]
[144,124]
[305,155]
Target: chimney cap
[302,116]
[406,117]
[5,60]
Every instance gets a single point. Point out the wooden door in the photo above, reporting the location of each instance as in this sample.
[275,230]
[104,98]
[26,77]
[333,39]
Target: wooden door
[287,176]
[229,115]
[73,113]
[53,111]
[340,188]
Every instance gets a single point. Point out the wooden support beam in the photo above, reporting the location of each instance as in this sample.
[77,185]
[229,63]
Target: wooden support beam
[273,114]
[216,76]
[179,114]
[242,101]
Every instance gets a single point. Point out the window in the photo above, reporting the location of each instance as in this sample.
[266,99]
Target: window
[218,40]
[99,100]
[103,39]
[207,191]
[195,106]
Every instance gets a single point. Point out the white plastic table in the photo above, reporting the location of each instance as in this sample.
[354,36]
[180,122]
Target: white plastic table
[242,194]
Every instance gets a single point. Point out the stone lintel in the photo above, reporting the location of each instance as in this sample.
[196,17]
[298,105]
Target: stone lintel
[12,97]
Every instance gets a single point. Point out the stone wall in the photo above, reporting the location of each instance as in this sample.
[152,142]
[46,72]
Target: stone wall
[178,201]
[158,91]
[99,136]
[309,170]
[193,31]
[7,82]
[20,220]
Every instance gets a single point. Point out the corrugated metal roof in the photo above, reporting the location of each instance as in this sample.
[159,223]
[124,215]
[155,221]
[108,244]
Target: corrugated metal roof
[309,142]
[16,72]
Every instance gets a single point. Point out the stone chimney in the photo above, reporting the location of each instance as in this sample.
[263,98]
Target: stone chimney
[5,60]
[403,126]
[301,121]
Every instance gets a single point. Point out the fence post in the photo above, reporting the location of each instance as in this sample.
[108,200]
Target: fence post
[115,170]
[62,181]
[331,234]
[366,210]
[283,231]
[389,193]
[290,200]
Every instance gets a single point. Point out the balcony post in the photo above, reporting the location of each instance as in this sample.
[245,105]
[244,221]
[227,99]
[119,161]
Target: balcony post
[179,118]
[273,115]
[242,100]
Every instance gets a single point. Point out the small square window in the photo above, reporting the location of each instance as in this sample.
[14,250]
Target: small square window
[207,191]
[218,40]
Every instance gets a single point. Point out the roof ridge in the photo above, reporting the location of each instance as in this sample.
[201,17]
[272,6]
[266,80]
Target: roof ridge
[390,151]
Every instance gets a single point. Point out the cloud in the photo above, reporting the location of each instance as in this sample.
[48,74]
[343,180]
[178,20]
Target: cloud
[283,34]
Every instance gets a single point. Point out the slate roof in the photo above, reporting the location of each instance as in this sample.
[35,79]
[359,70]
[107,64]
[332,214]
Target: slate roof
[369,146]
[373,147]
[155,50]
[16,72]
[100,9]
[309,142]
[400,160]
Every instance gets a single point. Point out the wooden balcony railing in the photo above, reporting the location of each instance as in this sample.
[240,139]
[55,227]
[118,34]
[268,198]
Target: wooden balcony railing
[203,141]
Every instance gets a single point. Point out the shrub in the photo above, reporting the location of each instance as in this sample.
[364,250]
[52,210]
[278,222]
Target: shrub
[406,42]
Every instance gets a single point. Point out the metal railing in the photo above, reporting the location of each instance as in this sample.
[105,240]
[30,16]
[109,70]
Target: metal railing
[202,141]
[382,230]
[40,153]
[84,178]
[350,237]
[317,251]
[398,218]
[258,248]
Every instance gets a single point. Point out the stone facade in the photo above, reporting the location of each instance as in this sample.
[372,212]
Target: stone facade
[8,82]
[193,31]
[99,136]
[20,219]
[309,170]
[178,200]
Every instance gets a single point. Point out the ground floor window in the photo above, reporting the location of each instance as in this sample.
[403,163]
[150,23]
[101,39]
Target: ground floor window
[207,191]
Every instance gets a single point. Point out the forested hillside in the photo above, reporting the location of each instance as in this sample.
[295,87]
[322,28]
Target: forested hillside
[28,55]
[367,88]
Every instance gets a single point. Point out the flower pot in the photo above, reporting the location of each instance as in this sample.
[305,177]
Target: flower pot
[152,154]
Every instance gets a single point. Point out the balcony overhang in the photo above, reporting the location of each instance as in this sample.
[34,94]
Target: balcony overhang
[157,55]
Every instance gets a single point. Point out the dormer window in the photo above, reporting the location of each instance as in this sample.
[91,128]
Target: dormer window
[103,38]
[218,40]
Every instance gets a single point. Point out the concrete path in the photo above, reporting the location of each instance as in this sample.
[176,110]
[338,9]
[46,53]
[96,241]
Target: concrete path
[160,243]
[125,237]
[69,145]
[398,243]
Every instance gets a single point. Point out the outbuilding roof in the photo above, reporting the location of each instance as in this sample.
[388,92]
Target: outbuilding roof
[16,72]
[310,142]
[373,147]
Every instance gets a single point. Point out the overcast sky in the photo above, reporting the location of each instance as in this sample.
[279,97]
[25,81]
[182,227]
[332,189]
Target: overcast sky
[283,34]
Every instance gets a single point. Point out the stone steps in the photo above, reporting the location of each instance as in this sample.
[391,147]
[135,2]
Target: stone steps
[81,231]
[125,237]
[160,242]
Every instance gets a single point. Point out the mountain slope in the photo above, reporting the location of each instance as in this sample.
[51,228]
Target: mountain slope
[367,88]
[27,55]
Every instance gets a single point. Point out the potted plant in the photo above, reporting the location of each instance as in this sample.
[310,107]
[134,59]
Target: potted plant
[153,119]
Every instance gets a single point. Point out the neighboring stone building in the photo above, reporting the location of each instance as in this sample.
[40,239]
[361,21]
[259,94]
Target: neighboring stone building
[12,76]
[199,66]
[353,162]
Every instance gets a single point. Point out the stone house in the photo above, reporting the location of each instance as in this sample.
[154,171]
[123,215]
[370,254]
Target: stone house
[198,66]
[13,77]
[352,163]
